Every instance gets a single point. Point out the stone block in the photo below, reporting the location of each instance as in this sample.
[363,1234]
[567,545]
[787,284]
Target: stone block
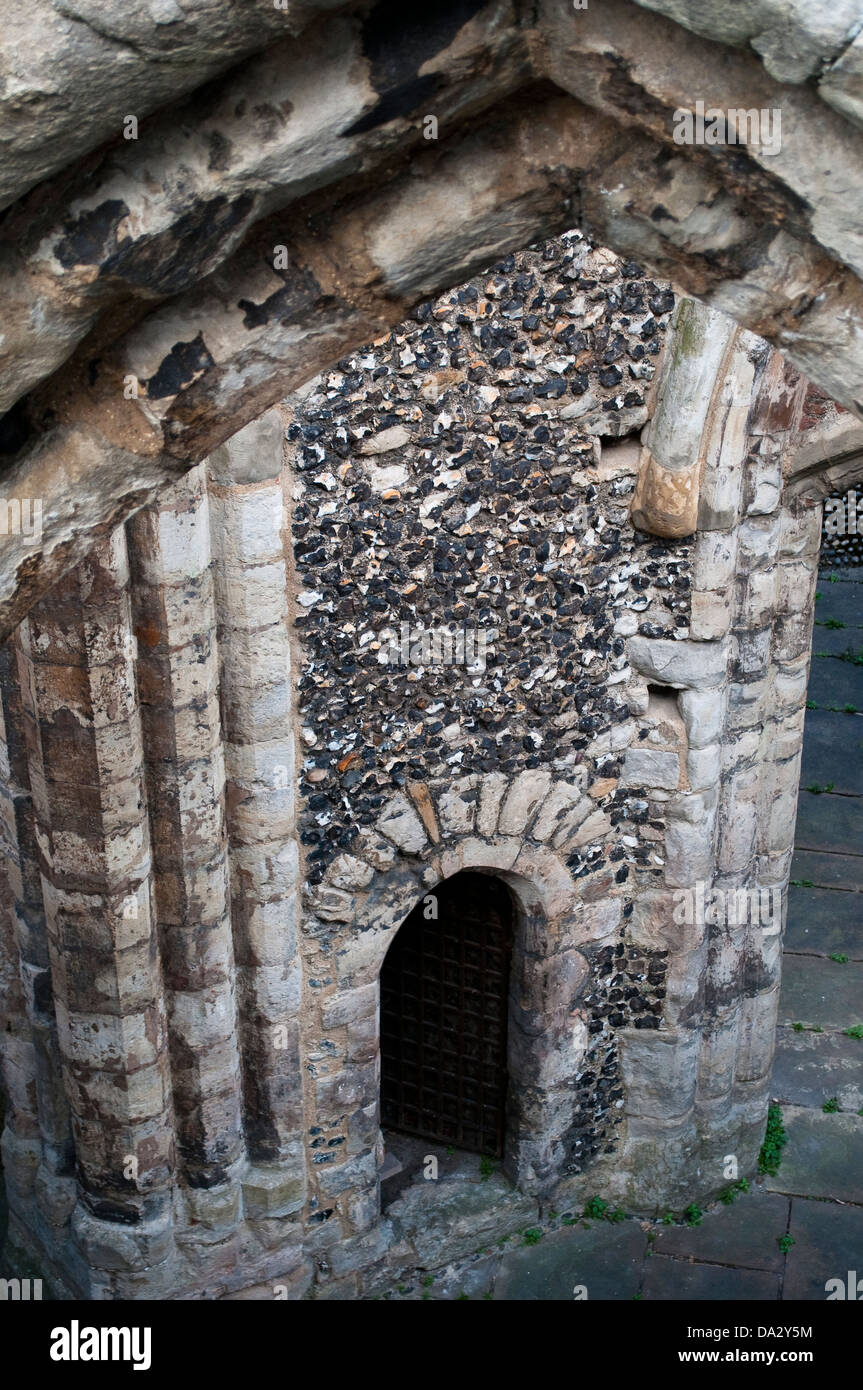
[659,1072]
[688,853]
[523,800]
[710,614]
[273,1191]
[684,664]
[492,788]
[702,713]
[401,824]
[650,767]
[350,1006]
[703,767]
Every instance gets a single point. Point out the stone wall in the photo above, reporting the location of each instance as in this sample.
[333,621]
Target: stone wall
[191,949]
[204,206]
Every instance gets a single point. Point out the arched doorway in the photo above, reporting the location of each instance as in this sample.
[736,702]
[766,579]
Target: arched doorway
[444,1007]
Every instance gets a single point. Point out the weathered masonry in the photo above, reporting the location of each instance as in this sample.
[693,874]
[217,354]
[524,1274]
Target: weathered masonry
[285,883]
[282,204]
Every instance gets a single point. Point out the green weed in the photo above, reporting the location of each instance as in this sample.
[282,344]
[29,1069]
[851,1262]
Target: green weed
[775,1140]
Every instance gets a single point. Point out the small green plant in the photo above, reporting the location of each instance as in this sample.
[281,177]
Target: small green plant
[668,1219]
[532,1236]
[785,1243]
[568,1219]
[595,1209]
[427,1281]
[799,1027]
[486,1167]
[833,579]
[403,1288]
[727,1197]
[850,709]
[450,1150]
[775,1140]
[636,1297]
[488,1295]
[461,1296]
[616,1216]
[742,1184]
[831,1106]
[834,623]
[801,883]
[811,704]
[693,1214]
[816,790]
[651,1237]
[839,957]
[854,1032]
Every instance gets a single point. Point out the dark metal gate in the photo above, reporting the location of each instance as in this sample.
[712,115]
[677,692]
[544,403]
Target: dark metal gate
[444,987]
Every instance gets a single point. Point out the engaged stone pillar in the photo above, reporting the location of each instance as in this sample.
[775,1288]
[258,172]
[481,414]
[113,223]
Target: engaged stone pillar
[178,682]
[693,376]
[247,517]
[86,771]
[38,1147]
[770,627]
[21,1139]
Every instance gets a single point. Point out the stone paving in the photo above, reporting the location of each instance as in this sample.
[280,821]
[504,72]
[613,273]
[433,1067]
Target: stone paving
[816,1197]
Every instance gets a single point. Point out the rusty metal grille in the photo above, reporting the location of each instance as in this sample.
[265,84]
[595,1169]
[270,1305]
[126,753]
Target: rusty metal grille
[444,988]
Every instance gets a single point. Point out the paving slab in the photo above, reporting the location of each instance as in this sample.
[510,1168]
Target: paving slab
[843,573]
[606,1259]
[823,1156]
[821,920]
[828,1242]
[744,1233]
[809,1068]
[831,822]
[843,600]
[668,1278]
[836,641]
[816,989]
[827,870]
[827,754]
[835,683]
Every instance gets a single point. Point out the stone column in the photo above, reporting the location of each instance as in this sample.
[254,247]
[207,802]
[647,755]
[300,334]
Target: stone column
[247,516]
[38,1148]
[792,530]
[86,772]
[675,1075]
[768,577]
[178,682]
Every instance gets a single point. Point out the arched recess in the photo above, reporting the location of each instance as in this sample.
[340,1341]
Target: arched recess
[547,1031]
[445,995]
